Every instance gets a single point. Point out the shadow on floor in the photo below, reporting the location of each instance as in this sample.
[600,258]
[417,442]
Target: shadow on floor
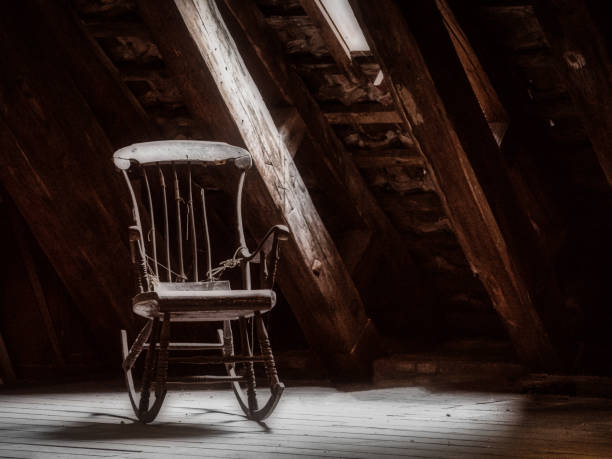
[129,428]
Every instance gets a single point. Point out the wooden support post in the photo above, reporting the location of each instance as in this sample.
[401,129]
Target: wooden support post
[583,59]
[195,41]
[447,122]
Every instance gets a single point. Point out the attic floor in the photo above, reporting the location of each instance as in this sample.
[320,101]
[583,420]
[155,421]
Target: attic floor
[96,420]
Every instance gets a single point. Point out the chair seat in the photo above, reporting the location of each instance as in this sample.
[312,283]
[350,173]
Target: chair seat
[187,303]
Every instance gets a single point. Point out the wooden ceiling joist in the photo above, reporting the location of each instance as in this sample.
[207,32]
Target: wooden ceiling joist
[366,159]
[448,124]
[583,59]
[195,41]
[360,114]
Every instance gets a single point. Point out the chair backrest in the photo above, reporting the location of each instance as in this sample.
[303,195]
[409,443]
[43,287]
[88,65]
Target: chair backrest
[169,204]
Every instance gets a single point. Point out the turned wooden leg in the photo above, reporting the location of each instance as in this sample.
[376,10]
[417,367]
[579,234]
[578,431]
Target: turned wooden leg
[266,350]
[162,358]
[149,368]
[250,370]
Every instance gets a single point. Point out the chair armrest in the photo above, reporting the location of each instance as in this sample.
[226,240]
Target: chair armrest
[278,232]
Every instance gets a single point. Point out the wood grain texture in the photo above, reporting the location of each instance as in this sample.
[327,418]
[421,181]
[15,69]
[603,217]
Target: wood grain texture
[310,422]
[450,154]
[313,276]
[583,59]
[391,270]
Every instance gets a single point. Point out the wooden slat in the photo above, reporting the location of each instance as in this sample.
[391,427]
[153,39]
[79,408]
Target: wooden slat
[583,59]
[194,40]
[434,121]
[396,422]
[366,159]
[291,128]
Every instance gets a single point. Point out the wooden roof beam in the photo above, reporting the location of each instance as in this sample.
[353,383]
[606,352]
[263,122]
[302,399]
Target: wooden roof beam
[391,270]
[200,51]
[583,59]
[445,118]
[492,108]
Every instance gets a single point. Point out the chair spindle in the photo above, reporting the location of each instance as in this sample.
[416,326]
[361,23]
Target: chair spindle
[166,225]
[246,267]
[153,233]
[179,226]
[194,243]
[207,236]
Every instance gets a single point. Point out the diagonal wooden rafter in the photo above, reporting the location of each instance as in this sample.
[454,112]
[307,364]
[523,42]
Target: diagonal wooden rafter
[491,106]
[71,206]
[583,59]
[447,122]
[195,41]
[395,266]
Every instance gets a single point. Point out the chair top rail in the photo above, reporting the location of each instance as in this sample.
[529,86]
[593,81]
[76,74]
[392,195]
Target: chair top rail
[182,152]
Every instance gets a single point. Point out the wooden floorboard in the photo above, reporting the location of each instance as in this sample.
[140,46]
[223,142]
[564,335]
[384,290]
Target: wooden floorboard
[96,420]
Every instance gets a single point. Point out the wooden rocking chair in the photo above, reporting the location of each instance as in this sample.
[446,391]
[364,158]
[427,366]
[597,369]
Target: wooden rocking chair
[171,286]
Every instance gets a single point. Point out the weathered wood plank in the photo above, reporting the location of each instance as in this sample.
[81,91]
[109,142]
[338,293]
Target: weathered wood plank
[194,39]
[434,122]
[360,114]
[366,159]
[397,422]
[583,58]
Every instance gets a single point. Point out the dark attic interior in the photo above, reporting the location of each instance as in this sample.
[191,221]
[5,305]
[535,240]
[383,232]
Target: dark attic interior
[436,176]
